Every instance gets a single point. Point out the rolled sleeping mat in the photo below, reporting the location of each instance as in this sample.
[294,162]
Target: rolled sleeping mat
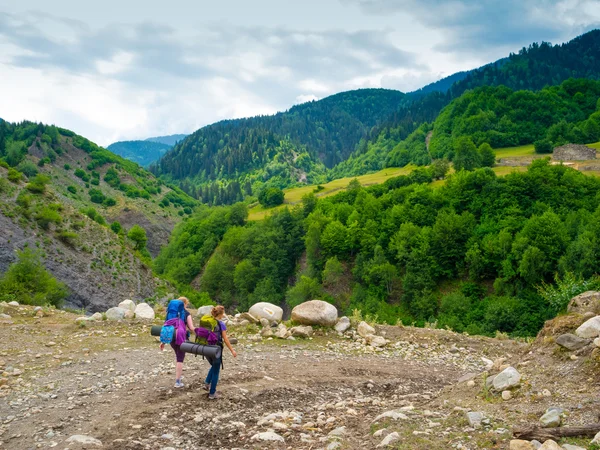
[155,330]
[208,351]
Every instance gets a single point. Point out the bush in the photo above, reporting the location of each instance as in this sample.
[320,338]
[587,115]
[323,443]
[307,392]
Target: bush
[28,168]
[566,288]
[67,167]
[94,215]
[116,227]
[543,146]
[270,197]
[72,189]
[30,283]
[68,237]
[38,184]
[138,235]
[109,201]
[46,216]
[14,175]
[96,196]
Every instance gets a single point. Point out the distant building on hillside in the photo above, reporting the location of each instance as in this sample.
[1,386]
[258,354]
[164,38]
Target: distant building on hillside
[573,152]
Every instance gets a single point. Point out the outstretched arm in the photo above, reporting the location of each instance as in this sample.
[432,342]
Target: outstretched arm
[228,344]
[190,323]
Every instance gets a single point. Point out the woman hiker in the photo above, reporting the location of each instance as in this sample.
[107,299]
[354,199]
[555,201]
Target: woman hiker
[179,316]
[210,384]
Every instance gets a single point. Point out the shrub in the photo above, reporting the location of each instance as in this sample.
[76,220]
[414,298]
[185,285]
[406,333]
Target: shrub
[72,189]
[29,282]
[116,227]
[28,168]
[96,196]
[67,167]
[138,235]
[68,237]
[109,201]
[14,175]
[46,216]
[543,146]
[271,197]
[567,287]
[38,184]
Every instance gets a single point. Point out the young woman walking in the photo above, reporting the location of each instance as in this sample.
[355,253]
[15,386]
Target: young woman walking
[210,384]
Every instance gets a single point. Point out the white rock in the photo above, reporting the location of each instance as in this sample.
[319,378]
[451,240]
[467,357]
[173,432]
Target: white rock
[475,418]
[128,314]
[596,439]
[302,331]
[551,418]
[334,445]
[204,310]
[508,378]
[506,395]
[589,329]
[364,329]
[249,317]
[13,303]
[337,432]
[572,447]
[394,415]
[144,311]
[315,312]
[85,440]
[267,311]
[550,445]
[342,325]
[389,439]
[115,313]
[267,436]
[376,341]
[282,332]
[95,317]
[127,304]
[597,342]
[81,319]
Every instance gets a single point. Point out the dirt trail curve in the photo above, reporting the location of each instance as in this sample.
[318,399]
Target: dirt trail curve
[110,382]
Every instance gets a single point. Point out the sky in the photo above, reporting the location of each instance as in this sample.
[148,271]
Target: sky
[121,70]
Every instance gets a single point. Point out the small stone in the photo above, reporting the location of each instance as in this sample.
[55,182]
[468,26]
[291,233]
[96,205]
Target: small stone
[508,378]
[84,440]
[551,418]
[506,395]
[597,342]
[475,418]
[303,331]
[364,329]
[13,303]
[471,383]
[342,325]
[571,342]
[596,439]
[267,436]
[546,393]
[337,432]
[389,440]
[394,415]
[572,447]
[334,445]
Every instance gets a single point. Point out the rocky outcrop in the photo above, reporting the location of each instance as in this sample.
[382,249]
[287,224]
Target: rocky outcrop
[315,312]
[587,302]
[573,152]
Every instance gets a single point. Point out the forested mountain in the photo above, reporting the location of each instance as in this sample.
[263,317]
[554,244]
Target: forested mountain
[531,68]
[170,140]
[96,217]
[290,144]
[142,152]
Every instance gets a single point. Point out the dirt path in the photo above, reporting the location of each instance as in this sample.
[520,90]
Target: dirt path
[109,381]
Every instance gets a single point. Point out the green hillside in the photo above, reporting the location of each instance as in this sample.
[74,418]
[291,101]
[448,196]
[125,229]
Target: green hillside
[77,203]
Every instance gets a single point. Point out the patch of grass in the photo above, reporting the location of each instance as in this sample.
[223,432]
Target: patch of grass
[512,152]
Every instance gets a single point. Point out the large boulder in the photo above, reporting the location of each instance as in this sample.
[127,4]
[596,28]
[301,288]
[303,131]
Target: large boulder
[144,311]
[364,329]
[315,312]
[342,325]
[116,313]
[571,342]
[128,305]
[506,379]
[587,302]
[269,311]
[204,310]
[590,329]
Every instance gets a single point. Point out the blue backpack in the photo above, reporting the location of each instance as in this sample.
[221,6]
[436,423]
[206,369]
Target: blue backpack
[175,310]
[166,334]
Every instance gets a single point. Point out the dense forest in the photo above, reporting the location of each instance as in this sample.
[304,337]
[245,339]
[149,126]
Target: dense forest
[477,254]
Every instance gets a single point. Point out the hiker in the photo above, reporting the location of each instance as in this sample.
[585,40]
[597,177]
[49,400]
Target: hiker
[179,317]
[215,322]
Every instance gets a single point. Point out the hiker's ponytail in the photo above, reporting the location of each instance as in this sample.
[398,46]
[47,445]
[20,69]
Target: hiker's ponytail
[217,311]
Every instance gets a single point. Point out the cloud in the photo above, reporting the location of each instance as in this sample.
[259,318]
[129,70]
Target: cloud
[157,78]
[486,25]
